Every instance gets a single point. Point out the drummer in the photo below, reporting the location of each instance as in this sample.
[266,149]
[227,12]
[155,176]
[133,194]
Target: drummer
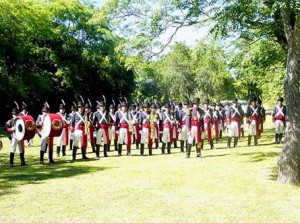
[24,112]
[79,125]
[62,140]
[10,128]
[45,141]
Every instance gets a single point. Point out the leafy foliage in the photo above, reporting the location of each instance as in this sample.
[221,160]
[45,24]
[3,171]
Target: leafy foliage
[57,49]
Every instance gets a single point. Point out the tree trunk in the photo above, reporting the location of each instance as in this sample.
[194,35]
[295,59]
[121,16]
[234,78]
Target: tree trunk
[289,160]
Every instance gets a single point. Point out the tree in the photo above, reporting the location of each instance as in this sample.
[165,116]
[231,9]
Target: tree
[258,68]
[254,19]
[57,49]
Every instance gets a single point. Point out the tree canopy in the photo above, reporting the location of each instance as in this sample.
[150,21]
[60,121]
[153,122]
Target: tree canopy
[57,49]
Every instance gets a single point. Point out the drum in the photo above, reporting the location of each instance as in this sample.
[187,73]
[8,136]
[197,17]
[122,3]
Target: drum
[25,128]
[52,125]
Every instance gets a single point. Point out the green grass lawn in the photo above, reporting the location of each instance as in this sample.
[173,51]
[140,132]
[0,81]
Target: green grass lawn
[228,185]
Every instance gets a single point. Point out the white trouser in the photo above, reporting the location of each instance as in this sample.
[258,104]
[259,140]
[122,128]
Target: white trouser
[279,126]
[144,135]
[101,135]
[62,139]
[166,135]
[14,143]
[77,137]
[252,128]
[123,137]
[233,129]
[111,132]
[44,143]
[183,133]
[193,135]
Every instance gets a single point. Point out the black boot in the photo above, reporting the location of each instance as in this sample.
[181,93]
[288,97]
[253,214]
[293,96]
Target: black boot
[182,146]
[235,141]
[22,158]
[228,142]
[97,150]
[83,152]
[74,152]
[108,147]
[105,148]
[42,157]
[211,144]
[198,152]
[58,151]
[249,140]
[169,148]
[188,150]
[120,150]
[156,144]
[137,145]
[220,136]
[93,147]
[163,148]
[276,137]
[202,144]
[51,157]
[150,150]
[255,141]
[243,132]
[116,145]
[142,149]
[64,150]
[128,151]
[11,159]
[175,143]
[280,138]
[71,144]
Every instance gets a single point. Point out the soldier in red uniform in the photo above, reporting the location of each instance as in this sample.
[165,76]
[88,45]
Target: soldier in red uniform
[102,123]
[208,122]
[194,125]
[80,126]
[46,142]
[62,140]
[10,128]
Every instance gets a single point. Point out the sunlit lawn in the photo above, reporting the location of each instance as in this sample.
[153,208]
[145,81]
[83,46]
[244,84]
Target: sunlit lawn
[228,185]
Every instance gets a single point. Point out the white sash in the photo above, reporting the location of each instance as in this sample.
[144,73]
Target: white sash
[235,111]
[124,117]
[280,111]
[167,118]
[254,111]
[102,117]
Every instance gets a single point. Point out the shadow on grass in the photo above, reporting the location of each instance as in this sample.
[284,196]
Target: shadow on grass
[12,178]
[259,156]
[274,173]
[220,155]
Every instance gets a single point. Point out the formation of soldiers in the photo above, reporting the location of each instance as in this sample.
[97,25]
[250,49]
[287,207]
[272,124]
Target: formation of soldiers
[146,125]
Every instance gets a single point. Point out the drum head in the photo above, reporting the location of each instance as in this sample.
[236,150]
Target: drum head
[46,126]
[20,129]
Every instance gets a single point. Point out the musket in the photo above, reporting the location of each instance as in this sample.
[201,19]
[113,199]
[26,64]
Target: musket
[81,99]
[17,105]
[47,105]
[63,102]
